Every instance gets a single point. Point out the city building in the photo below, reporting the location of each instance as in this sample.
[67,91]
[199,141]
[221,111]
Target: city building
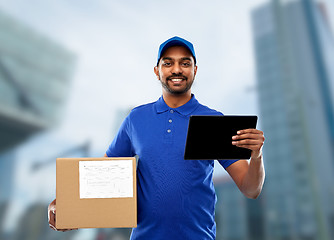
[35,76]
[294,60]
[230,214]
[237,217]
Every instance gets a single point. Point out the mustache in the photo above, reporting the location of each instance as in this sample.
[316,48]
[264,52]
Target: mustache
[177,76]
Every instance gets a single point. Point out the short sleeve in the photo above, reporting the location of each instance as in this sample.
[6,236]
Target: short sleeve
[121,146]
[226,163]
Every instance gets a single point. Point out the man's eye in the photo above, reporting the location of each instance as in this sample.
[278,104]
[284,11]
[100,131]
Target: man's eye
[186,64]
[166,63]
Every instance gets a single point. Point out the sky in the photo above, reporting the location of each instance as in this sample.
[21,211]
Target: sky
[116,44]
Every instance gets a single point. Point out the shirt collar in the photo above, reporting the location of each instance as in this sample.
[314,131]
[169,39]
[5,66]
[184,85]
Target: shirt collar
[185,109]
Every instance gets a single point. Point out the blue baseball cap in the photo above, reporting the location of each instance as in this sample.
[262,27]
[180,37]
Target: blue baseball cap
[176,41]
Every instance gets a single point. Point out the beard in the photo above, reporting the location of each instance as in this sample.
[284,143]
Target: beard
[177,91]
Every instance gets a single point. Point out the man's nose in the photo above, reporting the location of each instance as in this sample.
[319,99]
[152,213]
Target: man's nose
[176,69]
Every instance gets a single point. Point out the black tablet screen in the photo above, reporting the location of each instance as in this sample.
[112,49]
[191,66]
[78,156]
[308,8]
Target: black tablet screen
[210,137]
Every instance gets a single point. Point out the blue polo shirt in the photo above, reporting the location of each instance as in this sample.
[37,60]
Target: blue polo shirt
[176,197]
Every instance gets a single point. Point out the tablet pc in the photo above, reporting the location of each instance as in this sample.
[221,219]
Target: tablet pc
[210,137]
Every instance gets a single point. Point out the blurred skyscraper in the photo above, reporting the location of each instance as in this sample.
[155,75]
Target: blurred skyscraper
[237,217]
[294,49]
[231,210]
[35,75]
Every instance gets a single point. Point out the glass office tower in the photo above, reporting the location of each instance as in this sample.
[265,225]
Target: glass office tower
[294,58]
[35,73]
[231,211]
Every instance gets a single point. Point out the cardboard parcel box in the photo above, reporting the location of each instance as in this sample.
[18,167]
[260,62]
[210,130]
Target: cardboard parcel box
[96,193]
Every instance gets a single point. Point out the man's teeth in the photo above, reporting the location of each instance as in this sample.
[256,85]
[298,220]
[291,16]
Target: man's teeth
[177,80]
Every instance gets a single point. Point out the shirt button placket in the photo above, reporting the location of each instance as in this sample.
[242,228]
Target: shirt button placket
[169,128]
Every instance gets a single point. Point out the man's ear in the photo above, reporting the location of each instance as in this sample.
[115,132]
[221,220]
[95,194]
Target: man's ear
[156,71]
[195,70]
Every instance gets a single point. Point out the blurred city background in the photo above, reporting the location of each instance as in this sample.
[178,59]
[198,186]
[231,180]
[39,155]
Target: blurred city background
[70,71]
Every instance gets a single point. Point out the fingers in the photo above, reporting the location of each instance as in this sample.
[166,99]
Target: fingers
[52,218]
[251,134]
[252,139]
[246,142]
[250,131]
[53,227]
[65,230]
[52,214]
[52,223]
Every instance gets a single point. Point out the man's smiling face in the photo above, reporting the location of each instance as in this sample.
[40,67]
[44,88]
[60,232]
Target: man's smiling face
[176,70]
